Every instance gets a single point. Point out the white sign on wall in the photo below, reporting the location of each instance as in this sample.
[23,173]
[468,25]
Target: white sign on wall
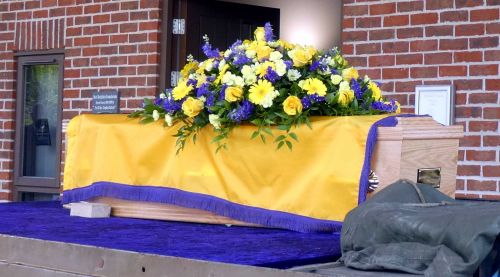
[437,101]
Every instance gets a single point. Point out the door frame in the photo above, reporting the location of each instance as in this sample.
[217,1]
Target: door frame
[28,183]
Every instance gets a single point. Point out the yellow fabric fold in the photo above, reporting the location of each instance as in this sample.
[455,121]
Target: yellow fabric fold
[319,178]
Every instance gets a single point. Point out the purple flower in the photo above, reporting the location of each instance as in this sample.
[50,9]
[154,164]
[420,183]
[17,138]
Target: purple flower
[357,89]
[388,107]
[192,82]
[271,75]
[203,90]
[211,78]
[222,93]
[243,112]
[171,106]
[158,101]
[334,71]
[207,50]
[288,64]
[315,65]
[241,59]
[210,100]
[310,99]
[268,29]
[306,102]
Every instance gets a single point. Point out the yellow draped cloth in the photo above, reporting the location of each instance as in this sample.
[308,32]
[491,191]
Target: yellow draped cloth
[317,180]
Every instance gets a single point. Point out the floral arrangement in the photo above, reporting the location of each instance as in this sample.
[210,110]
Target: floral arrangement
[265,82]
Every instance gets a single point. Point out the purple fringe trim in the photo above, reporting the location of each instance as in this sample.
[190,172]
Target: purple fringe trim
[389,121]
[268,218]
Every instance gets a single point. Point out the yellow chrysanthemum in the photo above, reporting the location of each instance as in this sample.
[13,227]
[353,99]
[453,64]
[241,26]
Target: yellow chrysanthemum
[261,69]
[221,74]
[376,92]
[189,68]
[233,94]
[192,106]
[292,105]
[346,94]
[350,73]
[301,55]
[181,90]
[314,86]
[259,91]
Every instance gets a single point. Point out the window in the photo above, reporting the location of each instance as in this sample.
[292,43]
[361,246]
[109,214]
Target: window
[38,125]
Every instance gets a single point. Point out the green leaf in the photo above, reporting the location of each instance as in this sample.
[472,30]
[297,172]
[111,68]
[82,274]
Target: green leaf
[294,136]
[148,102]
[218,138]
[254,134]
[147,120]
[135,114]
[268,131]
[263,138]
[281,137]
[283,127]
[308,123]
[289,144]
[280,145]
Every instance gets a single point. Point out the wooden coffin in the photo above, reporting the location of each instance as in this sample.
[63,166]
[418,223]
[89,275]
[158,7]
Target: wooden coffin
[415,143]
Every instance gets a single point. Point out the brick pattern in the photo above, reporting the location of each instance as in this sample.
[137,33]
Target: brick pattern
[108,44]
[409,43]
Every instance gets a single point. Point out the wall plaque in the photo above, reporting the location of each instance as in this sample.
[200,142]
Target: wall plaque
[106,101]
[437,101]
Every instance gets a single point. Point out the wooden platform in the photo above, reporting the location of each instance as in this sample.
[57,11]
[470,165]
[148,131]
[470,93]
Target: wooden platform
[415,143]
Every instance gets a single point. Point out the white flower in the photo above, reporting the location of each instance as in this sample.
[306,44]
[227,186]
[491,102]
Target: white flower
[163,96]
[202,99]
[293,75]
[222,64]
[280,67]
[336,79]
[238,81]
[275,56]
[214,120]
[227,53]
[156,115]
[367,79]
[168,119]
[209,65]
[227,78]
[190,58]
[330,61]
[344,86]
[248,74]
[301,84]
[250,53]
[268,100]
[273,44]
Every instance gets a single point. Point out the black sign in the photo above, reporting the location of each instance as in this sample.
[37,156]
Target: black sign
[42,131]
[106,101]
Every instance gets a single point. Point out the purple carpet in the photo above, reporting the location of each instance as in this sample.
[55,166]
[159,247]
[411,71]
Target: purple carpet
[237,245]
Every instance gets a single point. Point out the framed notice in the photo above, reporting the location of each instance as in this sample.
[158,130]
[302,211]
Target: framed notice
[436,101]
[106,101]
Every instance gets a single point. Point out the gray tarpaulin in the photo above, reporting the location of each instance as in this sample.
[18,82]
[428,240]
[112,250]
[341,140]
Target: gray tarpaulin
[416,229]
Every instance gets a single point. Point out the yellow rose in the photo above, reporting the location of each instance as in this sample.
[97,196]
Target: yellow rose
[263,52]
[192,107]
[292,105]
[350,73]
[181,90]
[285,44]
[260,34]
[233,94]
[301,55]
[345,97]
[398,109]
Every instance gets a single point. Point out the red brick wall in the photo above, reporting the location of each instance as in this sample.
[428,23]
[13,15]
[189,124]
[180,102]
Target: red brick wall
[409,43]
[107,44]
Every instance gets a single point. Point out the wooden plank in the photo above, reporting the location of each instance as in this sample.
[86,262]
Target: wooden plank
[149,210]
[20,254]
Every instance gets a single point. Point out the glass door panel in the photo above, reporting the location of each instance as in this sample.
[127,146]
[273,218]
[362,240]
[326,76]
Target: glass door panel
[41,120]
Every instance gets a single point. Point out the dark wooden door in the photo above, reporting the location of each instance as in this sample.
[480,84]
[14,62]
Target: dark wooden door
[223,22]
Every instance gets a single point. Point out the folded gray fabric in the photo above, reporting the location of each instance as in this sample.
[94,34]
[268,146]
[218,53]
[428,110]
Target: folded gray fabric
[416,229]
